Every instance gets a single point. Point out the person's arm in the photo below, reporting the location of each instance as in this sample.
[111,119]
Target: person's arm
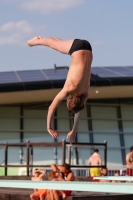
[72,134]
[127,160]
[89,161]
[56,168]
[60,96]
[42,173]
[60,177]
[70,177]
[76,121]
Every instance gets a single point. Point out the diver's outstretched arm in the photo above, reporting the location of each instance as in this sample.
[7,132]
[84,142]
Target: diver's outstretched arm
[57,100]
[72,134]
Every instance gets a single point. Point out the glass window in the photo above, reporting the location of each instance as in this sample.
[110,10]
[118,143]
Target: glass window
[127,114]
[10,132]
[35,125]
[106,129]
[35,130]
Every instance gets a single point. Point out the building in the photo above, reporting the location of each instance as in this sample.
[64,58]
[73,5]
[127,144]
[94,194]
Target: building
[26,95]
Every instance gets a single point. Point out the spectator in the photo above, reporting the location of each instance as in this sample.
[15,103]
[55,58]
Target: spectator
[129,162]
[104,172]
[95,160]
[65,170]
[66,174]
[55,194]
[116,181]
[38,193]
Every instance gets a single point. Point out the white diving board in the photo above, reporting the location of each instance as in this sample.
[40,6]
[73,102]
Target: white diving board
[109,187]
[116,178]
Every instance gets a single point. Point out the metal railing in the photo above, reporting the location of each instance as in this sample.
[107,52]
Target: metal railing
[79,170]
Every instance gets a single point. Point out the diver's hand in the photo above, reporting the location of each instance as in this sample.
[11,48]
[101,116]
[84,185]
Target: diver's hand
[71,136]
[53,133]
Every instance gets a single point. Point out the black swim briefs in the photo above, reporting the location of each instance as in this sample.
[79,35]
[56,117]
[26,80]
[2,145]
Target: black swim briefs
[80,45]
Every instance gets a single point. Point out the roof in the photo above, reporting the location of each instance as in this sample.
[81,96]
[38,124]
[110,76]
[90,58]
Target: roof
[55,78]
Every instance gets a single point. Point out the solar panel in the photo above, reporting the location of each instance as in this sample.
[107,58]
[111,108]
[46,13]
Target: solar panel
[130,67]
[61,74]
[8,77]
[122,71]
[130,70]
[113,71]
[99,71]
[31,75]
[56,74]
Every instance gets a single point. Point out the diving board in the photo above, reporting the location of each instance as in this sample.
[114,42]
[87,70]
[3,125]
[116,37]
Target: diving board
[125,188]
[116,178]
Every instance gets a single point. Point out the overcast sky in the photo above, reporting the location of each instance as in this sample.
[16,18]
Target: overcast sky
[106,24]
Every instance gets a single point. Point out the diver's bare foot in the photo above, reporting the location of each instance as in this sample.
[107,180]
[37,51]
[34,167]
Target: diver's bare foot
[71,136]
[34,41]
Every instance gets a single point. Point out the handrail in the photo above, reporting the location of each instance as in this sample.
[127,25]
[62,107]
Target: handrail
[62,144]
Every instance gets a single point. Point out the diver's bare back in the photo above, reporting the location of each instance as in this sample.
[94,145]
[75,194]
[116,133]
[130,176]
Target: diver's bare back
[78,78]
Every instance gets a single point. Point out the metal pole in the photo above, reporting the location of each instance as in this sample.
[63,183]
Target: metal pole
[31,159]
[6,157]
[69,155]
[105,154]
[63,151]
[21,133]
[27,156]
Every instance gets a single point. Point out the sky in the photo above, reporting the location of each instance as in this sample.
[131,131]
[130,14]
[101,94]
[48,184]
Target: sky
[106,24]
